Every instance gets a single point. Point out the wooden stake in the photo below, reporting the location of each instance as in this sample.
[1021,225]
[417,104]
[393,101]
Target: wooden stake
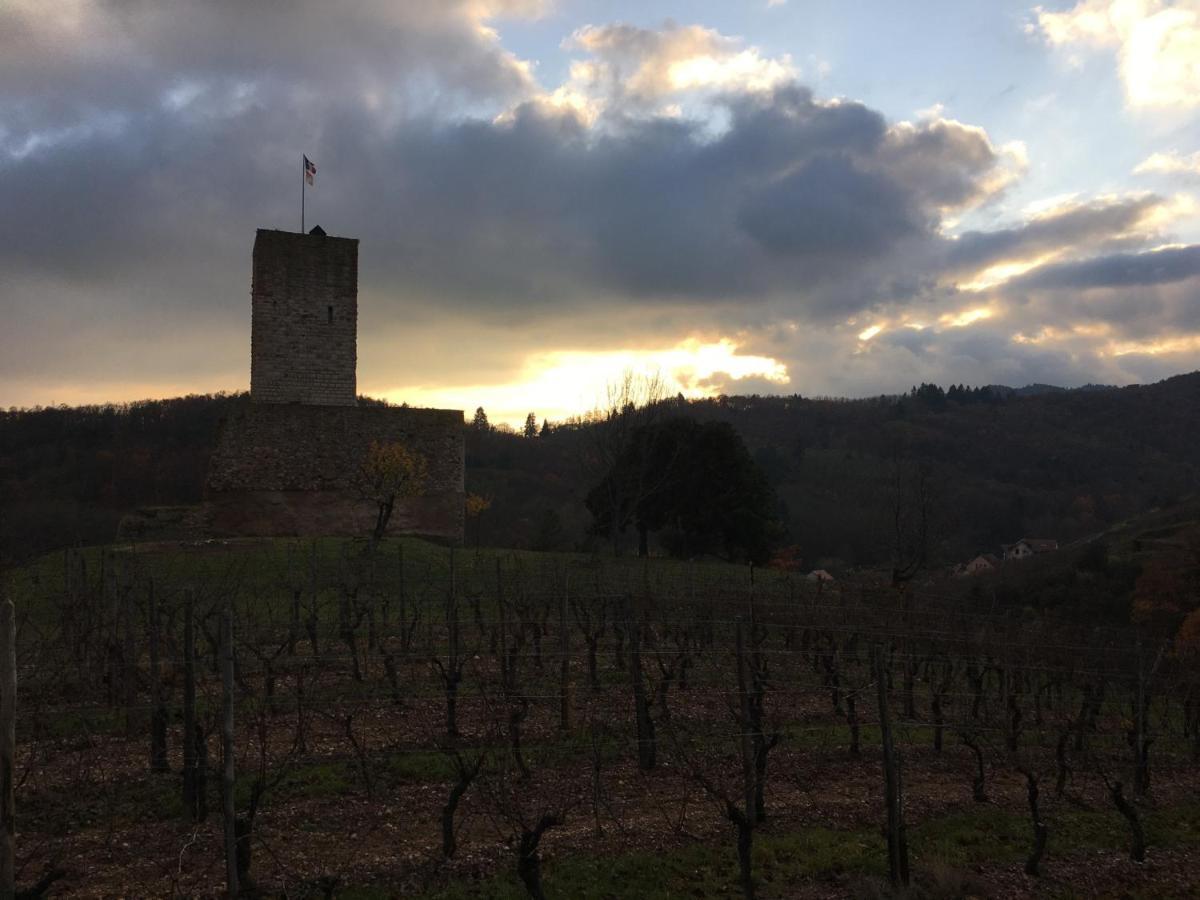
[564,713]
[227,780]
[8,746]
[897,843]
[191,799]
[158,717]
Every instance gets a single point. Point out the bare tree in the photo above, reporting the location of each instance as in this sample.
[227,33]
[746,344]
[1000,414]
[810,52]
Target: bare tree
[631,402]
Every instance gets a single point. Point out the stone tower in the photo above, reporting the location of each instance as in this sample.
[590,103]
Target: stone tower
[286,463]
[304,319]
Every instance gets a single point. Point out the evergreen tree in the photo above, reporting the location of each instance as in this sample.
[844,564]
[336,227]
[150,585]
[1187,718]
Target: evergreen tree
[696,485]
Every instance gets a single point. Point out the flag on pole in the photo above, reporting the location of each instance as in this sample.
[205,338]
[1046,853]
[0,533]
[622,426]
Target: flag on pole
[310,169]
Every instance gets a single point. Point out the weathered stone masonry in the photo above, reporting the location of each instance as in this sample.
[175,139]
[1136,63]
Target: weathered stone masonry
[285,461]
[282,470]
[304,319]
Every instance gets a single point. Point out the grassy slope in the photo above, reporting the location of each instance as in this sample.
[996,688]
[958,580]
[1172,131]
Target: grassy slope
[785,860]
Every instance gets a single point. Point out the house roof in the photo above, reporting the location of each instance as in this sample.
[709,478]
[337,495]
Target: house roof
[1037,545]
[1040,545]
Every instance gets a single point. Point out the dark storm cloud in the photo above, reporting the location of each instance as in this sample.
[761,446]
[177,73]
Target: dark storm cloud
[1100,223]
[844,210]
[1118,270]
[60,65]
[495,217]
[1155,293]
[537,209]
[142,143]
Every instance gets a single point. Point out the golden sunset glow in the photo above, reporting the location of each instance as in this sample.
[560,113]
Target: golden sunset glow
[999,273]
[543,206]
[1157,347]
[965,317]
[564,383]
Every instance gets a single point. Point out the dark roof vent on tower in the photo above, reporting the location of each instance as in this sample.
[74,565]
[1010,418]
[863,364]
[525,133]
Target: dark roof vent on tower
[318,231]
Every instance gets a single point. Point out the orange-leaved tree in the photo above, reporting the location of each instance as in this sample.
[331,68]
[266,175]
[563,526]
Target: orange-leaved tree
[477,505]
[390,471]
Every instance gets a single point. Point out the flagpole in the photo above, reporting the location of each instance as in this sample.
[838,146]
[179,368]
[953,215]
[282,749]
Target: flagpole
[303,178]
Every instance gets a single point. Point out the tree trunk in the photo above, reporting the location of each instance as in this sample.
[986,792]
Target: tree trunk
[641,703]
[1064,771]
[1040,831]
[978,782]
[1137,850]
[466,775]
[529,863]
[852,720]
[243,833]
[745,847]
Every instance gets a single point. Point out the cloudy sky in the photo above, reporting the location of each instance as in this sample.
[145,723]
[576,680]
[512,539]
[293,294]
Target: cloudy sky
[761,196]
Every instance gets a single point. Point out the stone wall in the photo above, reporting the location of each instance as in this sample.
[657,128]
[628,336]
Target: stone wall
[289,470]
[304,319]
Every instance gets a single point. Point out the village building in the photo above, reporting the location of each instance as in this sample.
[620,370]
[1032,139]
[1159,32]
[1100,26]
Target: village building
[1027,547]
[984,562]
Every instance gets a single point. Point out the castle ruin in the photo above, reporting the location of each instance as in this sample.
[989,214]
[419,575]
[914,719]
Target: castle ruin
[285,462]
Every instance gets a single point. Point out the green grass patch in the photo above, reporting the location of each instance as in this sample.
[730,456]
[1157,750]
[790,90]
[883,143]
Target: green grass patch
[780,861]
[785,860]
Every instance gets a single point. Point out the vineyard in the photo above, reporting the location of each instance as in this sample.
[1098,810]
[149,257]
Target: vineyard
[332,718]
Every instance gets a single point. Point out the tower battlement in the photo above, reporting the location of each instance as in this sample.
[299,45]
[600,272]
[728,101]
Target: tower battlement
[304,319]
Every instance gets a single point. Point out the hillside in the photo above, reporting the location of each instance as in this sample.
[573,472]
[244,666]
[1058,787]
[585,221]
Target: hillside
[1060,464]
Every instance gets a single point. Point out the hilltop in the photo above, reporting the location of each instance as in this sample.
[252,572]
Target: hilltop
[1061,464]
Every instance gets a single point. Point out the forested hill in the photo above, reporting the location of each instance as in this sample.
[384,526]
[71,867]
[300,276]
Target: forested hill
[1003,465]
[1054,464]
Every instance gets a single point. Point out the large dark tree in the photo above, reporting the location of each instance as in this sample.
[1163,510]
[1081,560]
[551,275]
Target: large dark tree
[695,485]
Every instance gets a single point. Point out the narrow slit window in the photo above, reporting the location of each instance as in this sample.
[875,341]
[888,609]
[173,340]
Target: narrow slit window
[329,314]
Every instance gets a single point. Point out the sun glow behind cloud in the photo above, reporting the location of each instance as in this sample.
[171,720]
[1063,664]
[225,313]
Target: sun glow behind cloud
[564,383]
[965,317]
[1164,345]
[999,273]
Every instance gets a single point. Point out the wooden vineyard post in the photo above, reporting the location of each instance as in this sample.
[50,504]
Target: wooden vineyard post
[893,790]
[748,815]
[641,703]
[8,746]
[194,800]
[158,715]
[227,777]
[564,675]
[745,726]
[128,657]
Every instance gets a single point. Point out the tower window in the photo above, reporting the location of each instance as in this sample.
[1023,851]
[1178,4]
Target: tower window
[329,314]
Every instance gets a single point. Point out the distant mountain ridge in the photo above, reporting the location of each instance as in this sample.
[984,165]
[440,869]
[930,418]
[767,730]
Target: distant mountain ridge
[1038,389]
[1039,460]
